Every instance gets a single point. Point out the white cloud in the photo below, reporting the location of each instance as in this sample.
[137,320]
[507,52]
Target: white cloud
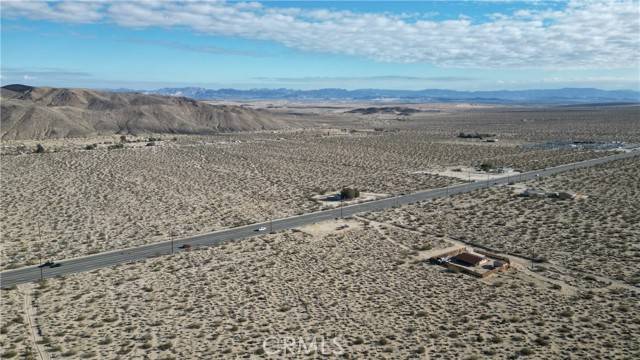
[65,11]
[584,34]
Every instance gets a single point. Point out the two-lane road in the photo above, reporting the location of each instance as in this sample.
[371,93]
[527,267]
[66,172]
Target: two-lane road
[105,259]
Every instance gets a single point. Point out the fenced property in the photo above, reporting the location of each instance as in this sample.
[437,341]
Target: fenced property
[478,263]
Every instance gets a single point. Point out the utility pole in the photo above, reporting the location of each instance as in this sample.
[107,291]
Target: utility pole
[271,223]
[40,239]
[533,256]
[341,200]
[41,274]
[171,237]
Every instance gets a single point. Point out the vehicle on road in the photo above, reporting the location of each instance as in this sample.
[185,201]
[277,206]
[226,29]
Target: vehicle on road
[262,228]
[185,247]
[49,264]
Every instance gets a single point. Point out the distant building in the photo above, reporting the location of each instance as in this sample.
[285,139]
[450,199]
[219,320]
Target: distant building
[470,259]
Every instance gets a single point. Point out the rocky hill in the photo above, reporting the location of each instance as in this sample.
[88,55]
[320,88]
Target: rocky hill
[40,112]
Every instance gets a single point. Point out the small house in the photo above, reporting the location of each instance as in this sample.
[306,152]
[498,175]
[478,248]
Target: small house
[470,259]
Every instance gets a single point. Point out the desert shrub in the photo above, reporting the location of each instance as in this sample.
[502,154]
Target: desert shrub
[542,341]
[566,313]
[105,341]
[422,247]
[39,149]
[151,143]
[88,354]
[69,353]
[123,351]
[487,165]
[496,339]
[9,354]
[349,193]
[525,351]
[116,146]
[464,135]
[91,147]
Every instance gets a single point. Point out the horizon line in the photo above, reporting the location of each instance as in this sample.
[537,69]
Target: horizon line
[306,90]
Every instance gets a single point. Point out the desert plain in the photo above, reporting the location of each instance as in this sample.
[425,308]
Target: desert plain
[356,288]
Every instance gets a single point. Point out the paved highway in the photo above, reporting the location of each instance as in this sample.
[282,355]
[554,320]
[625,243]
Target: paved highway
[105,259]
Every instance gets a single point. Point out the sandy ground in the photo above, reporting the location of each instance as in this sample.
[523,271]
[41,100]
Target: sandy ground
[591,241]
[324,228]
[468,173]
[363,291]
[76,202]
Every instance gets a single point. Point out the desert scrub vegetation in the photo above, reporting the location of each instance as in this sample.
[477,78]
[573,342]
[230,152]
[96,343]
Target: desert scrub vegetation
[14,331]
[595,235]
[90,201]
[540,124]
[226,300]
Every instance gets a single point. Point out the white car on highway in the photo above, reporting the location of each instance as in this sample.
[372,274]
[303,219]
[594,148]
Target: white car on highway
[261,228]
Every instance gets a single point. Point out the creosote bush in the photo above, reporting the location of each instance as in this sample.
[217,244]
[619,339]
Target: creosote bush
[348,193]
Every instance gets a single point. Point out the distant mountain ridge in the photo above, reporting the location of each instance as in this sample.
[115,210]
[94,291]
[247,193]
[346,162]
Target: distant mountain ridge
[42,112]
[538,96]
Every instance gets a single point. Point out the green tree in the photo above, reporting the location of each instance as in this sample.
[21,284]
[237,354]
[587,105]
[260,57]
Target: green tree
[349,193]
[486,166]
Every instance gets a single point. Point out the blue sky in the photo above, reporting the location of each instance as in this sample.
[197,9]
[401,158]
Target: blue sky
[308,45]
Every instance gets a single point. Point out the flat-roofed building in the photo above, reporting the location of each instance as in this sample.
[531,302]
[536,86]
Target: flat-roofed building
[470,259]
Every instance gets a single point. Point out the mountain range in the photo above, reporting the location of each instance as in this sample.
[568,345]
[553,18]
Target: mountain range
[543,96]
[43,112]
